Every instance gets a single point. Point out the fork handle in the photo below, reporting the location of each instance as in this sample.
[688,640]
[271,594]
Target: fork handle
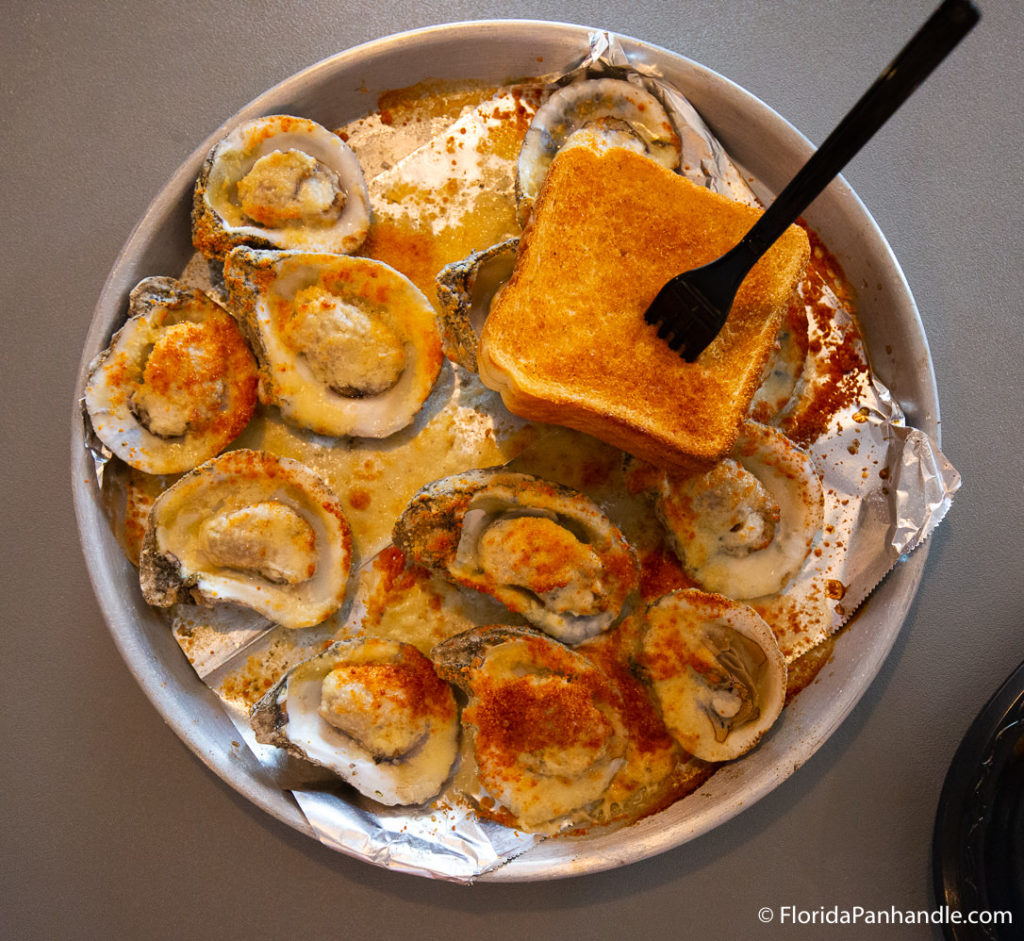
[928,47]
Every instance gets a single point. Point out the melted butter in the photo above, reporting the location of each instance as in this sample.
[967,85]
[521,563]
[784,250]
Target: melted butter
[416,607]
[453,195]
[275,653]
[130,495]
[440,182]
[407,118]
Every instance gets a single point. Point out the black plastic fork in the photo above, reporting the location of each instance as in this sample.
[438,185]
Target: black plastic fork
[691,309]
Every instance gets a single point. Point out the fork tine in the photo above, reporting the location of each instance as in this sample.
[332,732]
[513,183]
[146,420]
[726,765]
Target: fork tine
[653,314]
[686,320]
[666,330]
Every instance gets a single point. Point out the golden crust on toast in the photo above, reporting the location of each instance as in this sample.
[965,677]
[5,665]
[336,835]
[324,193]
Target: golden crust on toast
[566,341]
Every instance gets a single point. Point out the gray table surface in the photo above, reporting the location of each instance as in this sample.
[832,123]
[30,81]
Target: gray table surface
[111,827]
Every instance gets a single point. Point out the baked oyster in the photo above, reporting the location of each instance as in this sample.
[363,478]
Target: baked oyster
[745,527]
[177,383]
[372,711]
[346,346]
[547,734]
[715,671]
[250,528]
[280,182]
[543,550]
[616,111]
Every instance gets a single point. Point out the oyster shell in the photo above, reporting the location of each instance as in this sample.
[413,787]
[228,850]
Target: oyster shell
[177,383]
[347,346]
[465,290]
[715,670]
[543,550]
[616,110]
[745,528]
[548,737]
[250,528]
[280,182]
[372,711]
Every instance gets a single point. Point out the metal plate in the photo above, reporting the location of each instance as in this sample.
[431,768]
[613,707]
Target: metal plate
[346,86]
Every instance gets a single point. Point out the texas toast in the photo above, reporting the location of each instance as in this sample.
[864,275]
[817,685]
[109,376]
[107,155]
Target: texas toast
[566,341]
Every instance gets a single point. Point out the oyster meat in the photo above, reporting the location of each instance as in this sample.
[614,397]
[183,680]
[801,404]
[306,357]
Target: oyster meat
[543,550]
[347,346]
[280,182]
[250,528]
[715,671]
[608,111]
[372,711]
[548,737]
[745,527]
[177,383]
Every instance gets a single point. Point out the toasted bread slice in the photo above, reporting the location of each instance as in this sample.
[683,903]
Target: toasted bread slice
[566,341]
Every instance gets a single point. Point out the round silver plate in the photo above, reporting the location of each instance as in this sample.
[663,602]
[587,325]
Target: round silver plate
[346,86]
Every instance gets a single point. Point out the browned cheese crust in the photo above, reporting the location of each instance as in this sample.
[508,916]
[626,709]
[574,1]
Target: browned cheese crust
[566,341]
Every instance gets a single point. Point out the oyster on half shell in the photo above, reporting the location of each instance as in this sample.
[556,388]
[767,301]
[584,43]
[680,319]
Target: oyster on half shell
[372,711]
[543,550]
[250,528]
[177,383]
[745,527]
[715,671]
[610,111]
[546,725]
[280,182]
[347,346]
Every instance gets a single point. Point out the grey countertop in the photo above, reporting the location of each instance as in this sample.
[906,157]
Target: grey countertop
[112,827]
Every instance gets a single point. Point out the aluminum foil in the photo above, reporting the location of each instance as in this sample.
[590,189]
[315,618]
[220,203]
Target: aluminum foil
[887,486]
